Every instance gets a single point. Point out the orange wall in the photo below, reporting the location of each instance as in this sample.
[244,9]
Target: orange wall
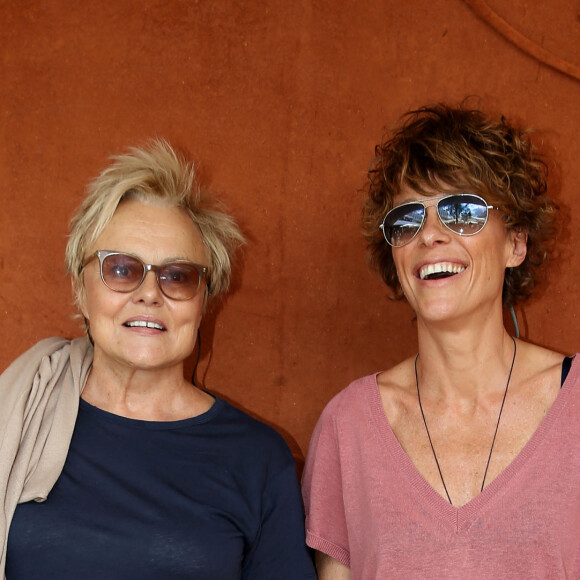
[282,102]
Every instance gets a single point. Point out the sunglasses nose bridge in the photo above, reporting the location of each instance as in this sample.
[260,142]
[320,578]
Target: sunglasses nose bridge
[146,269]
[427,205]
[432,227]
[150,268]
[430,213]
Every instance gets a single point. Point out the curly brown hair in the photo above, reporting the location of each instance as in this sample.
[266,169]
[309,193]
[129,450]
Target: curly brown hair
[463,147]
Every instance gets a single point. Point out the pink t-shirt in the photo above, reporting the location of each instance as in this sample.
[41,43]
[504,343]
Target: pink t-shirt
[368,506]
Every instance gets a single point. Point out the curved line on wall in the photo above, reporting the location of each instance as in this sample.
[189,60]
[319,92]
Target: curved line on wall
[481,9]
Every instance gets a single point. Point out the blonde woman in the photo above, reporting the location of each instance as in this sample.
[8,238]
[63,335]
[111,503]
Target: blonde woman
[142,474]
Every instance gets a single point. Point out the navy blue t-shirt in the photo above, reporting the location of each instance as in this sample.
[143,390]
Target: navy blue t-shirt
[212,497]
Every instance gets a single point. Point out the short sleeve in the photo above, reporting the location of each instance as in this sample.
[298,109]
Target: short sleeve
[322,490]
[280,552]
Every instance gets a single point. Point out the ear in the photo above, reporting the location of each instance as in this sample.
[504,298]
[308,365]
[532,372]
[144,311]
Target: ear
[518,244]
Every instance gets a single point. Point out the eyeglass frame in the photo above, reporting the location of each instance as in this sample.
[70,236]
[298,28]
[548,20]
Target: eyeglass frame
[435,202]
[102,255]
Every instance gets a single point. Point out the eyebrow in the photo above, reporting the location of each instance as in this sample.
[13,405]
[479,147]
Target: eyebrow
[425,199]
[165,261]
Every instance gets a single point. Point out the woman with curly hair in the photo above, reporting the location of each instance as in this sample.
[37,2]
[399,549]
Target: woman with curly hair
[462,461]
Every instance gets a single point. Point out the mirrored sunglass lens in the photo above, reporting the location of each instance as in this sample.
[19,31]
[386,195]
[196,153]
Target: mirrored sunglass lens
[179,281]
[402,223]
[121,272]
[464,214]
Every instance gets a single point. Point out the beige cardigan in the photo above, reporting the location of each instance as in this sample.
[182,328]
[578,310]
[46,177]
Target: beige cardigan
[39,400]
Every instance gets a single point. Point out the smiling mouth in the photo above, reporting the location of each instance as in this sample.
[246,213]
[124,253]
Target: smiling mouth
[440,270]
[143,324]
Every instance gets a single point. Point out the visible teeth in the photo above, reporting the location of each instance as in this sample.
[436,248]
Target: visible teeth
[144,324]
[441,267]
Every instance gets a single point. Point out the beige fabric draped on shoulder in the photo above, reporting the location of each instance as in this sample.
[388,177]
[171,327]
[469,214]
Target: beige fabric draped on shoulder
[39,400]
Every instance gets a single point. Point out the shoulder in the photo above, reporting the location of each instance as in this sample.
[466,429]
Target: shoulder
[537,377]
[538,364]
[398,376]
[351,400]
[43,348]
[398,391]
[247,434]
[538,356]
[354,392]
[48,357]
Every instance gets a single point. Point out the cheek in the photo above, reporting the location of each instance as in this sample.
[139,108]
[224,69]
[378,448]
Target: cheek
[399,263]
[87,302]
[190,315]
[88,295]
[101,303]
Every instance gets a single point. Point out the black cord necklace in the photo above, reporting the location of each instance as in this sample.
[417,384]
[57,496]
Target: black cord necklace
[494,434]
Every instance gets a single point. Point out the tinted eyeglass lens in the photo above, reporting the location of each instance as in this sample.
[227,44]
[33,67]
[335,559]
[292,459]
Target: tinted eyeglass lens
[464,214]
[179,281]
[402,223]
[122,273]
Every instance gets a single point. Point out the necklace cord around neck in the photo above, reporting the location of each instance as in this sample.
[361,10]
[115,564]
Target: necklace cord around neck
[494,434]
[428,434]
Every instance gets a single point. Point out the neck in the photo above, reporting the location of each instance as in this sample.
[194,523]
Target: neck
[463,363]
[494,434]
[154,395]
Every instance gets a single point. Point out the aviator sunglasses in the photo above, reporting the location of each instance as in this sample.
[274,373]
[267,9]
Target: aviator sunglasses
[463,213]
[179,280]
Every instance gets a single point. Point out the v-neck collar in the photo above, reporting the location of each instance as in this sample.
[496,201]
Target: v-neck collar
[461,518]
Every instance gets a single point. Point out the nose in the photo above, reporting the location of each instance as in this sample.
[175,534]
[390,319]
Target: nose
[433,231]
[149,291]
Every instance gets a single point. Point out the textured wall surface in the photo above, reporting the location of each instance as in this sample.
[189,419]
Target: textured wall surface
[281,103]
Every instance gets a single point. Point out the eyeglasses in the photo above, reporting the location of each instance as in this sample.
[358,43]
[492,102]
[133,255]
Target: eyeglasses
[463,213]
[125,272]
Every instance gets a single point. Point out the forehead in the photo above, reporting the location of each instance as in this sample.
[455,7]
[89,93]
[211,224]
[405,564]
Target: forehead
[406,193]
[153,232]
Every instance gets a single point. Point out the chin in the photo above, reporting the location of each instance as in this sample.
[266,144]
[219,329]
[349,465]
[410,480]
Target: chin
[439,312]
[151,359]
